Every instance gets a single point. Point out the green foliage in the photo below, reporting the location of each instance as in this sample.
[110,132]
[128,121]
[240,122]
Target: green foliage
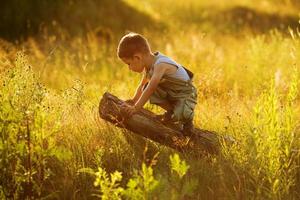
[142,186]
[109,187]
[178,166]
[268,152]
[274,137]
[27,128]
[179,184]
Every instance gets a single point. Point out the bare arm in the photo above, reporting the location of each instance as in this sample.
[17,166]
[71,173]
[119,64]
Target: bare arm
[158,73]
[139,90]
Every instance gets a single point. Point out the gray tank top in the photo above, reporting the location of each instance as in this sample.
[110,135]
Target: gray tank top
[180,72]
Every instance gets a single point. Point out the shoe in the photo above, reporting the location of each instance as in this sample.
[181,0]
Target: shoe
[166,117]
[188,128]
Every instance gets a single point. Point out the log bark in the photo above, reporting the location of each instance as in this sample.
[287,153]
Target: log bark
[145,124]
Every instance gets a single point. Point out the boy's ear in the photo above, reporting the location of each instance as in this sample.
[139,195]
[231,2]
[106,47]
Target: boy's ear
[137,56]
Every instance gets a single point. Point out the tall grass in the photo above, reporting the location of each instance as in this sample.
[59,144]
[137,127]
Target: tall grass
[248,87]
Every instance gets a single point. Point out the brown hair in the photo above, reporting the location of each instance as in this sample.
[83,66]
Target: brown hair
[132,43]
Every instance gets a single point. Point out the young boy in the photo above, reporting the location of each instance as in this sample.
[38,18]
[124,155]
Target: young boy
[165,82]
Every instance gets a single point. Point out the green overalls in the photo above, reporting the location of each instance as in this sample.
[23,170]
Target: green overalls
[179,93]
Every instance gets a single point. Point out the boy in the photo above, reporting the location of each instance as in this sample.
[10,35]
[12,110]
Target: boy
[165,82]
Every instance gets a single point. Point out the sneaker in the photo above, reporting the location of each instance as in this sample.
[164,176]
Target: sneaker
[188,128]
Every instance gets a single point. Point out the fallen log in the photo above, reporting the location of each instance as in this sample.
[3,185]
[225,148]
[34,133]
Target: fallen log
[145,124]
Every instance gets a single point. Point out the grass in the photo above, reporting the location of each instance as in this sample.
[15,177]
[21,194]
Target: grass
[247,78]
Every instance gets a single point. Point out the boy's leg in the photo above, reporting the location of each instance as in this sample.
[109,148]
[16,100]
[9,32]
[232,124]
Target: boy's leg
[184,112]
[167,116]
[159,97]
[188,127]
[166,106]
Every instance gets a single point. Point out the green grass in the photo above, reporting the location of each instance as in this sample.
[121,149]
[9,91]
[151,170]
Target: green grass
[246,73]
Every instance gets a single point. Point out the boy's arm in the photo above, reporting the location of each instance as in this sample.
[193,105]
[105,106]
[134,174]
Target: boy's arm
[158,73]
[139,90]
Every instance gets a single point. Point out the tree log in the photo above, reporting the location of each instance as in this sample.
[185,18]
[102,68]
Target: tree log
[145,124]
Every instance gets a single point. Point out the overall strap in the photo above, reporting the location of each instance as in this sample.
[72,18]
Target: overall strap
[191,74]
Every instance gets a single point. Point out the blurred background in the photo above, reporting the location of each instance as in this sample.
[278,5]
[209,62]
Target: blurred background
[21,19]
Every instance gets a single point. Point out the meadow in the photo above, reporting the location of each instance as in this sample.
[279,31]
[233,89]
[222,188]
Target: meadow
[245,57]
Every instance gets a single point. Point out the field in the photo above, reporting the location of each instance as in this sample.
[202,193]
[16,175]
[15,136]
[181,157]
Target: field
[55,67]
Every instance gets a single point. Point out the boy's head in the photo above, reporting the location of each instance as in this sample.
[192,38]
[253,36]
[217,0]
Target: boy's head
[133,48]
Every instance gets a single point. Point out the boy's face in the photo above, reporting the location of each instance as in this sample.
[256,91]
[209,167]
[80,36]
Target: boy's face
[134,63]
